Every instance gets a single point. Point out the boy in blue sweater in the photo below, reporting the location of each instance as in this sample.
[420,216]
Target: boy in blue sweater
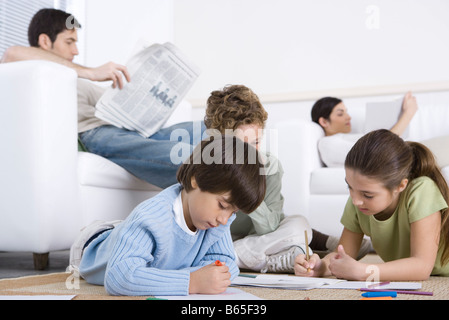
[169,243]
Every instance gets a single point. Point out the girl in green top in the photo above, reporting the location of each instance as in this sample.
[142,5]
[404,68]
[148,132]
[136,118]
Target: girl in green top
[398,197]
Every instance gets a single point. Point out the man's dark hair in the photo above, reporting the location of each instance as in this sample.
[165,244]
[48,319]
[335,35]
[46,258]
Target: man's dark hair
[50,22]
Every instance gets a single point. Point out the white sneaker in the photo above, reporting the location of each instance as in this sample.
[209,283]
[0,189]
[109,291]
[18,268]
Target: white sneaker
[76,251]
[283,261]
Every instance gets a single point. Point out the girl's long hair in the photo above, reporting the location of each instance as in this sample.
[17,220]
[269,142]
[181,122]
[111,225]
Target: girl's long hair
[384,156]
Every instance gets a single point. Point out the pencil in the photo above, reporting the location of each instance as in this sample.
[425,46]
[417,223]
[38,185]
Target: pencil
[373,286]
[423,293]
[307,249]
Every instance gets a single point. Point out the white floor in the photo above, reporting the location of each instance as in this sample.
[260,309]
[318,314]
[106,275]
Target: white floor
[19,264]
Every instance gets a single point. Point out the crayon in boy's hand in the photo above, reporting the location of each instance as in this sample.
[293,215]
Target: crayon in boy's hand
[218,263]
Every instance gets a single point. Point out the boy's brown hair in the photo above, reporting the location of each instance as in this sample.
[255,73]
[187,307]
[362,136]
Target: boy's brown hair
[232,107]
[226,164]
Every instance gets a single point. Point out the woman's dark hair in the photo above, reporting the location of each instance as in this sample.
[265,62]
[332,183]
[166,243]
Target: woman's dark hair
[226,164]
[50,22]
[323,108]
[384,156]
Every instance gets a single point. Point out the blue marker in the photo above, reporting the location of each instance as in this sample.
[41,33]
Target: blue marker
[392,294]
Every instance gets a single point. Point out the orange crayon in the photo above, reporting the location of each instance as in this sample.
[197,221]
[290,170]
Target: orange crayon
[378,298]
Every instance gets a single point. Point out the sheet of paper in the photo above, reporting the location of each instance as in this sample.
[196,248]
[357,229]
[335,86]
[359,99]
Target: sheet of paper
[283,281]
[306,283]
[45,297]
[229,294]
[363,284]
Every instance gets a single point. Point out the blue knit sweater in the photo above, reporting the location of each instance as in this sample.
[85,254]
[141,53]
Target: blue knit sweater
[149,254]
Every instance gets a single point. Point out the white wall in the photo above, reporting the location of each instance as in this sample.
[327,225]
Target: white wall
[284,46]
[78,9]
[280,47]
[113,27]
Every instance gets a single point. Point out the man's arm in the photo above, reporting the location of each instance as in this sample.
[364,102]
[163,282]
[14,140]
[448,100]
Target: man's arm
[109,71]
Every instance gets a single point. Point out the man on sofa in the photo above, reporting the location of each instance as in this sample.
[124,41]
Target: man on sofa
[52,35]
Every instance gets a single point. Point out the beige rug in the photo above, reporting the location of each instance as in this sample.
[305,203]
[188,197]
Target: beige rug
[56,284]
[64,284]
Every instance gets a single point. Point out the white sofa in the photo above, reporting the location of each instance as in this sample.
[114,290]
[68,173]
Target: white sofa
[320,193]
[49,190]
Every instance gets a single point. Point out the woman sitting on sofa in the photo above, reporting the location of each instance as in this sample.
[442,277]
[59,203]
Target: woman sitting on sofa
[331,114]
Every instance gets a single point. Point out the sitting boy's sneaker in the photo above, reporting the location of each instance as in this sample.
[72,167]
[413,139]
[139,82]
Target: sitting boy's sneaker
[283,261]
[76,251]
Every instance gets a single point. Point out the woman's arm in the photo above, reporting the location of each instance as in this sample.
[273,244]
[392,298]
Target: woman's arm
[409,108]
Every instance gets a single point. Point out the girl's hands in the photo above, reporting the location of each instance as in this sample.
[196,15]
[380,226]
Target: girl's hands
[343,266]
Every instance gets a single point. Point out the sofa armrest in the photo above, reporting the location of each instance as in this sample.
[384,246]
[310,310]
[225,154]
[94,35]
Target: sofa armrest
[38,122]
[298,153]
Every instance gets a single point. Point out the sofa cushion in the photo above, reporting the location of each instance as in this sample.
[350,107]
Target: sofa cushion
[97,171]
[328,181]
[430,119]
[445,172]
[331,181]
[439,147]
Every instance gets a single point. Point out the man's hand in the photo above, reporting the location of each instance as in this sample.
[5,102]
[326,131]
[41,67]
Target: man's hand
[109,71]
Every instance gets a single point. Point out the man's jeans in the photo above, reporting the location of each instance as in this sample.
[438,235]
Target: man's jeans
[155,159]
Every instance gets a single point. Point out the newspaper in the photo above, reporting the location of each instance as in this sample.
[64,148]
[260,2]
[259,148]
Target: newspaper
[161,76]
